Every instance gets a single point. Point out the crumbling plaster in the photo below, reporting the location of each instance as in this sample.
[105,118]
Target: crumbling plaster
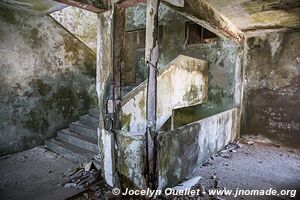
[47,79]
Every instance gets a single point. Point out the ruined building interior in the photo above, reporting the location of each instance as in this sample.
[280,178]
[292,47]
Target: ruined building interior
[100,98]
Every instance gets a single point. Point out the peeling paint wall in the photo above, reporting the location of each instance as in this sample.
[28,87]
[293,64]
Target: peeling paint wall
[81,23]
[47,79]
[272,87]
[224,62]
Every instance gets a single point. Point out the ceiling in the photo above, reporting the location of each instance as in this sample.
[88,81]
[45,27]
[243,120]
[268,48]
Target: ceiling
[244,15]
[249,15]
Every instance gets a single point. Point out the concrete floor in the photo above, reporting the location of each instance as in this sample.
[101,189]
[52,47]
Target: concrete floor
[258,166]
[26,175]
[34,174]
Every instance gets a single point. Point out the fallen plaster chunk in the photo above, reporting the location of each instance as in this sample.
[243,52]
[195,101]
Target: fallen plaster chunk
[81,178]
[89,166]
[187,184]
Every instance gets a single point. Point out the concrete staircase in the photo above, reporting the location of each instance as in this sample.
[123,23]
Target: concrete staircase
[79,141]
[182,83]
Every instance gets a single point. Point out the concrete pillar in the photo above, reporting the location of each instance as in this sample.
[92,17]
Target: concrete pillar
[110,34]
[151,58]
[104,75]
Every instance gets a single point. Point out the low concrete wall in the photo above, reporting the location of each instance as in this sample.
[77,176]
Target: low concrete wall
[131,161]
[181,150]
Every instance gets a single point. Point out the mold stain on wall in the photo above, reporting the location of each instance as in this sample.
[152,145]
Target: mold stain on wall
[47,79]
[272,87]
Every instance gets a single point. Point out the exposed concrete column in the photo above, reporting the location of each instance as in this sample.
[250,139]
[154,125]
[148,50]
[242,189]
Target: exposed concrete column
[104,76]
[110,34]
[151,58]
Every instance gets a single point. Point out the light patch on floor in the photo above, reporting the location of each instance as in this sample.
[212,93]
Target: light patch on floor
[34,174]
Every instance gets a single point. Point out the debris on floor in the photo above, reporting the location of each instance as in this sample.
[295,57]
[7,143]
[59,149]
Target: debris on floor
[220,173]
[83,177]
[187,184]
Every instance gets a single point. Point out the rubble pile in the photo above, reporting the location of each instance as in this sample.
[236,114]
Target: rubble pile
[81,177]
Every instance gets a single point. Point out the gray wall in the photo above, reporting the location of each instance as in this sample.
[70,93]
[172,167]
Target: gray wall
[47,79]
[272,87]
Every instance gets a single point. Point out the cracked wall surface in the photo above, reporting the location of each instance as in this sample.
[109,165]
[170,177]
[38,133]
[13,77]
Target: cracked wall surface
[47,79]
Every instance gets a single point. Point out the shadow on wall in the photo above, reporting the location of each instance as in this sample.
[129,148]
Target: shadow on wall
[272,92]
[47,79]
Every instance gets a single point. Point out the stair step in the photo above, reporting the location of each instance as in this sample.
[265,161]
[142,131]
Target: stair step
[90,121]
[83,129]
[94,112]
[69,151]
[78,140]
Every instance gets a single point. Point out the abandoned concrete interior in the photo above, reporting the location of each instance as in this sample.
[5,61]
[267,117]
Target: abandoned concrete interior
[149,94]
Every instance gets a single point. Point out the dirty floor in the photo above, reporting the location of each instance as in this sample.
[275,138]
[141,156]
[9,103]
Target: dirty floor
[34,174]
[253,166]
[37,173]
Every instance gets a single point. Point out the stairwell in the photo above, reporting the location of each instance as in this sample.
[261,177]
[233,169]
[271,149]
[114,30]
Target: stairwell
[78,142]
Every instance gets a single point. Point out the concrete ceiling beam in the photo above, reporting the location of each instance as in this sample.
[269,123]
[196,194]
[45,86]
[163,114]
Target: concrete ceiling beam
[204,14]
[130,3]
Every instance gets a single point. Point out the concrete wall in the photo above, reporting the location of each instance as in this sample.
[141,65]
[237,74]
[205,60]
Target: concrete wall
[180,151]
[272,87]
[223,57]
[47,79]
